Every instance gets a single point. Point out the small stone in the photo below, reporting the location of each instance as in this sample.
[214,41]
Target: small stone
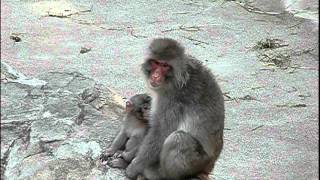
[15,38]
[84,50]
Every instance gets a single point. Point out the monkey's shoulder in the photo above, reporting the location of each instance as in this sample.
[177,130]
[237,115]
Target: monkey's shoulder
[198,70]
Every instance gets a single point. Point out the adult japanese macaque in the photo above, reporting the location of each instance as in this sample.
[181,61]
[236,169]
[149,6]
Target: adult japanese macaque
[187,116]
[135,126]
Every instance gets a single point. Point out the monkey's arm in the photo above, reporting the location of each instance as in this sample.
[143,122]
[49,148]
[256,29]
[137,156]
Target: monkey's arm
[148,153]
[117,143]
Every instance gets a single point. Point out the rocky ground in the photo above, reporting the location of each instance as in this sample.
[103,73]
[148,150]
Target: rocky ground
[67,65]
[57,130]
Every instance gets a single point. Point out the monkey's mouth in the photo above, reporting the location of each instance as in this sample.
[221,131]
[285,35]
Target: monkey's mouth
[155,84]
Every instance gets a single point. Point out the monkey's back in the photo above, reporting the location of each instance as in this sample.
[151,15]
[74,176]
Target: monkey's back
[204,114]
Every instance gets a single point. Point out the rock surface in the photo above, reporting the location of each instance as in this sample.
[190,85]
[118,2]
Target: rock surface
[57,130]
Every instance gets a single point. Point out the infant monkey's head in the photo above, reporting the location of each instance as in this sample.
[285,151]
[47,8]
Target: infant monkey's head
[139,105]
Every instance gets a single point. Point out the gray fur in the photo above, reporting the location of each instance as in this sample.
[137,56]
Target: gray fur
[165,49]
[132,132]
[186,126]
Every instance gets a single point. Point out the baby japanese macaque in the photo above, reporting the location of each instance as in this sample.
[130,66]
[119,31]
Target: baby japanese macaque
[135,126]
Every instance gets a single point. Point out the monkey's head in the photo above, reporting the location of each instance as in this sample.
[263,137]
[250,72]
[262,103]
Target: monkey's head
[139,105]
[165,66]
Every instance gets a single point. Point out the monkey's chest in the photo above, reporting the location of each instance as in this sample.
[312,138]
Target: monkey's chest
[135,129]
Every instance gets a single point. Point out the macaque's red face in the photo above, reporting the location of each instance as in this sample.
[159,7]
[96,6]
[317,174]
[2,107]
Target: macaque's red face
[159,70]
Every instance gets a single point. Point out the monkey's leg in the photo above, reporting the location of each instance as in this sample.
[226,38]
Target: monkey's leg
[152,172]
[129,155]
[132,147]
[182,156]
[200,177]
[117,144]
[148,153]
[133,142]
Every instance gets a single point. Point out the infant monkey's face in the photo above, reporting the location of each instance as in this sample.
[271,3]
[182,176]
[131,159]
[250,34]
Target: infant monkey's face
[139,103]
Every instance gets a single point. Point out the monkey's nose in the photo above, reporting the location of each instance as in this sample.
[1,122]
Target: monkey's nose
[129,106]
[129,103]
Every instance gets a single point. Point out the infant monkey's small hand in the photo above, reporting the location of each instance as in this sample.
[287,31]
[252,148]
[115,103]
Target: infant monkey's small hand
[118,154]
[105,156]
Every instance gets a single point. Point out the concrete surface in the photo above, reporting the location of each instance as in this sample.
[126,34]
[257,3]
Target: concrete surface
[271,109]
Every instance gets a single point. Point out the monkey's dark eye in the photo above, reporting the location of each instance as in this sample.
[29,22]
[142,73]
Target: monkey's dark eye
[154,62]
[165,65]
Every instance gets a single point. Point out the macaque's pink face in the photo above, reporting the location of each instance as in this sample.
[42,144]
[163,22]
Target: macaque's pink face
[159,70]
[129,106]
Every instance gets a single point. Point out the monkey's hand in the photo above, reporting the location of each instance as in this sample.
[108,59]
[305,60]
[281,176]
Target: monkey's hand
[109,152]
[133,170]
[118,154]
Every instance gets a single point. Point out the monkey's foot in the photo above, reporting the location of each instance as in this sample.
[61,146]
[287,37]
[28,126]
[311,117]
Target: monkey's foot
[131,171]
[140,177]
[200,177]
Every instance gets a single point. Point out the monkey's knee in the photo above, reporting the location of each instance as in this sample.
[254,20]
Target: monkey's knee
[182,156]
[180,140]
[152,173]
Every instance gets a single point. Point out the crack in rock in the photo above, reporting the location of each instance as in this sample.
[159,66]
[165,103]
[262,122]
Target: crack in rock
[4,160]
[18,77]
[80,118]
[67,121]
